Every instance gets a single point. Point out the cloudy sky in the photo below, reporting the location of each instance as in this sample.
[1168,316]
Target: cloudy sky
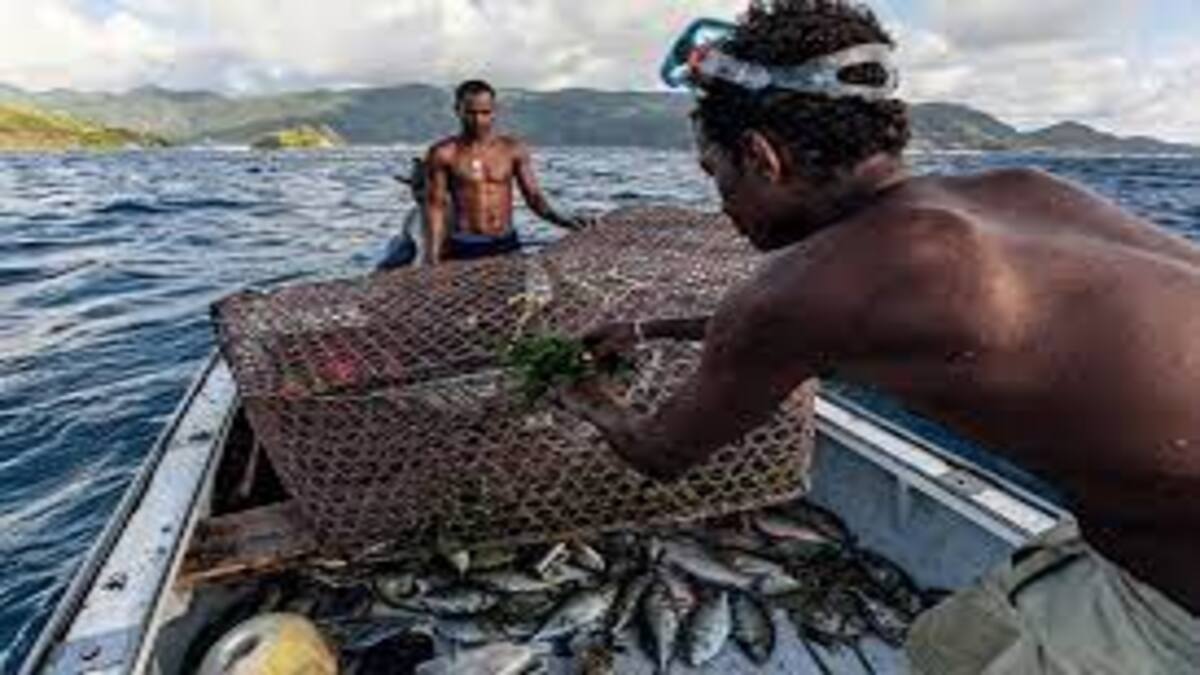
[1129,66]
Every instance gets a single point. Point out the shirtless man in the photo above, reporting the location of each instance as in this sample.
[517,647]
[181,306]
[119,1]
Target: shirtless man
[477,168]
[1028,313]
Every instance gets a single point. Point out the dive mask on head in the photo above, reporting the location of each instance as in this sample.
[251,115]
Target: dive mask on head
[696,57]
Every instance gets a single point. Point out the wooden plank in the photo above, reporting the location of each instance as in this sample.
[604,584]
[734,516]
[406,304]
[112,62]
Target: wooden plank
[247,544]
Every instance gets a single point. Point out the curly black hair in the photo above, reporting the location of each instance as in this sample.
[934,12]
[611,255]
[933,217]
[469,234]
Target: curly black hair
[820,134]
[471,88]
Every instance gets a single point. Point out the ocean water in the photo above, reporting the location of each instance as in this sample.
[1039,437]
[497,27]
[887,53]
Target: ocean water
[108,264]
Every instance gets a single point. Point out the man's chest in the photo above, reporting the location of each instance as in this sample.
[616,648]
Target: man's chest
[481,168]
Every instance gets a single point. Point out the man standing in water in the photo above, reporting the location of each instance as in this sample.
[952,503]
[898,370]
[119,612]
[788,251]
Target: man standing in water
[477,169]
[1025,311]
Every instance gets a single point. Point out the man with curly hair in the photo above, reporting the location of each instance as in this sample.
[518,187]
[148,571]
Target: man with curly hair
[1022,310]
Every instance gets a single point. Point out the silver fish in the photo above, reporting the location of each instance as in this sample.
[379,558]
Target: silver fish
[522,606]
[886,621]
[488,559]
[782,527]
[395,588]
[738,540]
[512,581]
[362,636]
[496,659]
[885,574]
[683,596]
[476,630]
[823,520]
[662,622]
[587,557]
[698,563]
[459,561]
[580,610]
[628,602]
[772,578]
[654,550]
[561,574]
[835,620]
[457,600]
[753,629]
[708,629]
[553,557]
[383,612]
[479,630]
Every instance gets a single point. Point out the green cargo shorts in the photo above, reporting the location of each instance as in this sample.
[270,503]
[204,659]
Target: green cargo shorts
[1056,608]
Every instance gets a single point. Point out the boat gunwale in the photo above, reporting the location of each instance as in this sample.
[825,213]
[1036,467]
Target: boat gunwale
[70,604]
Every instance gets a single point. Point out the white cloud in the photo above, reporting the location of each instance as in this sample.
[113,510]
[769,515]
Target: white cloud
[1028,61]
[1036,62]
[991,23]
[51,43]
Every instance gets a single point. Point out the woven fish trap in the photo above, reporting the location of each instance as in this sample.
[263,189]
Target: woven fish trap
[383,405]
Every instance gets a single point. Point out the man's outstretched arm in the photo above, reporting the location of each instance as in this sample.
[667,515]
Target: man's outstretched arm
[535,199]
[744,374]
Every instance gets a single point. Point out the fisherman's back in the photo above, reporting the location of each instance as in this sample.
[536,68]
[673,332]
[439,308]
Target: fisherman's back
[1075,349]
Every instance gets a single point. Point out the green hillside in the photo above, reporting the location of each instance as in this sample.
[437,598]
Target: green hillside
[302,137]
[24,127]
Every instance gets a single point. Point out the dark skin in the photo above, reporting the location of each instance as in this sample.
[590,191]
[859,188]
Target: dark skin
[478,168]
[1019,309]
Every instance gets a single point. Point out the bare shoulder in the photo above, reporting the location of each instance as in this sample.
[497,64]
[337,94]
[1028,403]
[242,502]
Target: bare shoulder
[879,249]
[1030,183]
[513,145]
[443,152]
[874,280]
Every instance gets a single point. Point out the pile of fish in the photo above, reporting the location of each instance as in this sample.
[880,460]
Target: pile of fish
[687,592]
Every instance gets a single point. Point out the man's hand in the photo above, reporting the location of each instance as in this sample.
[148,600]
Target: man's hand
[589,400]
[581,221]
[608,342]
[620,428]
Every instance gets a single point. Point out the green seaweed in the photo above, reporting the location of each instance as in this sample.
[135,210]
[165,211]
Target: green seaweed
[542,363]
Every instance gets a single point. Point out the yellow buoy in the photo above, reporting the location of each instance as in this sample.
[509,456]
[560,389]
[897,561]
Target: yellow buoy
[271,644]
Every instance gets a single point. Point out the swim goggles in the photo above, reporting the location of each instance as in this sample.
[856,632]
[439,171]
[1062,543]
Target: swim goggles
[696,57]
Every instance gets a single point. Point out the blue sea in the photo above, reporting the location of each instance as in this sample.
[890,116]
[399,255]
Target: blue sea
[108,264]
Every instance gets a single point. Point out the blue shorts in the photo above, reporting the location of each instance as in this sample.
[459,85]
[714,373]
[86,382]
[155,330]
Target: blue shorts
[463,246]
[402,250]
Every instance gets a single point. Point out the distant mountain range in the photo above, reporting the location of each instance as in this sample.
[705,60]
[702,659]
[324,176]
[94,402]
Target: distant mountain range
[417,113]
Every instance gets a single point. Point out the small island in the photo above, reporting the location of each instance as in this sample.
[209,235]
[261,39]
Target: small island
[305,136]
[26,128]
